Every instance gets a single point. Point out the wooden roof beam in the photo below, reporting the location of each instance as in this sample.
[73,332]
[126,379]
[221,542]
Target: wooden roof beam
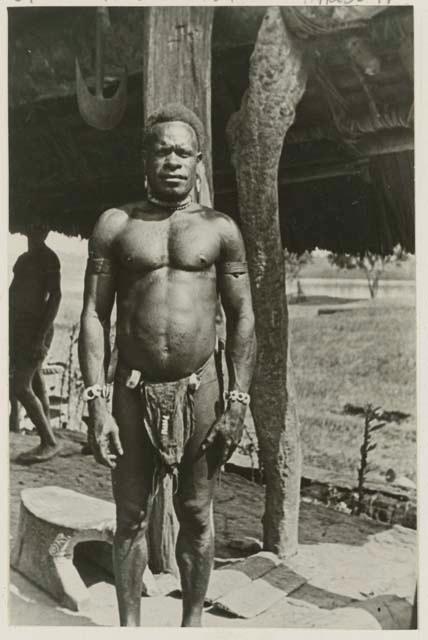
[312,22]
[383,142]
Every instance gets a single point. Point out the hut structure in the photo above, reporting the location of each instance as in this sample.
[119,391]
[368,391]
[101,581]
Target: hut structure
[346,171]
[309,112]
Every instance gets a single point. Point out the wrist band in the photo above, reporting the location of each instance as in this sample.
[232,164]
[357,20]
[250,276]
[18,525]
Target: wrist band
[238,396]
[96,391]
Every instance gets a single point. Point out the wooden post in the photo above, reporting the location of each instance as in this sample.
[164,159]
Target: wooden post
[177,68]
[276,84]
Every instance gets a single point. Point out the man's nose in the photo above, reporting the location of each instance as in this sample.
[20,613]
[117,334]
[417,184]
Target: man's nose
[172,160]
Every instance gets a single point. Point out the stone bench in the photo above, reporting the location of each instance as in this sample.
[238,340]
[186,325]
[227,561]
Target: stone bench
[52,521]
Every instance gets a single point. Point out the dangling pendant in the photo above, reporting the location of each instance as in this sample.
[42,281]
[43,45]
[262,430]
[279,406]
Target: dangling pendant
[165,425]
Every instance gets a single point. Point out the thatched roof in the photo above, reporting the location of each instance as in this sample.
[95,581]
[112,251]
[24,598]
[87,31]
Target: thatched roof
[346,176]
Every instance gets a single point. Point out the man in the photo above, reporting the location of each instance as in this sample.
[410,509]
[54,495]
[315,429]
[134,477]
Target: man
[34,298]
[166,259]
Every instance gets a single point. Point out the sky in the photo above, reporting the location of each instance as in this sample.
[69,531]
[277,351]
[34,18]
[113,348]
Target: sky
[17,244]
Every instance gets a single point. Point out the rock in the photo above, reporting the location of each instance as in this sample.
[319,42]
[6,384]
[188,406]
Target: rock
[246,545]
[52,521]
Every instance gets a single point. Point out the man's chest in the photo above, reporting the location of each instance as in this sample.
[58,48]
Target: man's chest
[182,244]
[30,270]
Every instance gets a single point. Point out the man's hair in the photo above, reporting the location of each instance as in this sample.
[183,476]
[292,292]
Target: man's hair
[38,225]
[174,112]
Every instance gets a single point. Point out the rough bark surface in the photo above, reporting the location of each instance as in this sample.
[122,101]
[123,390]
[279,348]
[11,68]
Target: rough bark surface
[177,68]
[257,131]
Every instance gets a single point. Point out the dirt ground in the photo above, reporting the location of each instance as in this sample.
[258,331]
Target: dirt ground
[349,562]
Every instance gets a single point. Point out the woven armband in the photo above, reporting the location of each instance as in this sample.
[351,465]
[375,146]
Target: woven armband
[96,266]
[233,268]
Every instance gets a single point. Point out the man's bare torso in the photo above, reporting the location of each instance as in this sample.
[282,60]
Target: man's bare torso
[166,288]
[29,292]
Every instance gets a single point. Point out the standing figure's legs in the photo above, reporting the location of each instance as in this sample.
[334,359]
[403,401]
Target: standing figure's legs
[39,387]
[15,406]
[132,489]
[24,392]
[15,413]
[194,507]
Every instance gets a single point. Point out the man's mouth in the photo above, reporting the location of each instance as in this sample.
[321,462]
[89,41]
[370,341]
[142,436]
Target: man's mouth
[174,178]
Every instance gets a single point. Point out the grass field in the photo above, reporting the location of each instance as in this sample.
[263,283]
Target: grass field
[356,357]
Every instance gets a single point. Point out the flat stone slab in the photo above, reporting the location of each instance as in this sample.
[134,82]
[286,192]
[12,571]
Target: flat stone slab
[251,600]
[224,581]
[52,521]
[239,574]
[255,566]
[248,587]
[69,509]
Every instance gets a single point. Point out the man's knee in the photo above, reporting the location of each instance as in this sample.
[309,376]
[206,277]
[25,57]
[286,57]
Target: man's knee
[131,520]
[195,516]
[23,390]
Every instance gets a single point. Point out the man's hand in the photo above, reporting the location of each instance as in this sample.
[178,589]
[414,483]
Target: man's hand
[104,439]
[226,432]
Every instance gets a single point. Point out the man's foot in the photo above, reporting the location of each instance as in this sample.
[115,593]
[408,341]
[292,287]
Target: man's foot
[39,454]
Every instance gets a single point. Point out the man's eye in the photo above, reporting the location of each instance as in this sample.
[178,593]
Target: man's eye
[161,153]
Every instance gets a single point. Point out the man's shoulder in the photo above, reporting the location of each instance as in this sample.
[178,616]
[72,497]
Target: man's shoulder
[107,228]
[113,217]
[225,225]
[50,259]
[218,217]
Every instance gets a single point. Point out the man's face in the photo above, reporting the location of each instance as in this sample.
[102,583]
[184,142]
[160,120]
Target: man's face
[171,160]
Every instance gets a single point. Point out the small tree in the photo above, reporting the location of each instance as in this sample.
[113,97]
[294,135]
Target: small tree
[373,264]
[294,263]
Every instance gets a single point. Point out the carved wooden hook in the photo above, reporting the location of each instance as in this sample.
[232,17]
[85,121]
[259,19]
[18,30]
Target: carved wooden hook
[98,111]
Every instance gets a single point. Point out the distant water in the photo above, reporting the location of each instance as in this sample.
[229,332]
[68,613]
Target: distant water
[353,289]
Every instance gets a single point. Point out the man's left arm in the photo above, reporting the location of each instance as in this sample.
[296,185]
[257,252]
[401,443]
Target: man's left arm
[235,292]
[52,285]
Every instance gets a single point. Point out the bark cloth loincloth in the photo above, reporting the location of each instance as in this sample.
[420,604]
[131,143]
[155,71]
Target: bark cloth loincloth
[168,413]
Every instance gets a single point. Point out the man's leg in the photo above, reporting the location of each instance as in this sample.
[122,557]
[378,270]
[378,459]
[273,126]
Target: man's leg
[14,419]
[39,387]
[194,507]
[15,407]
[23,390]
[132,489]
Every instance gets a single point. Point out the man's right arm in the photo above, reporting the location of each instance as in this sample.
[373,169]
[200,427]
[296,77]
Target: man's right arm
[99,295]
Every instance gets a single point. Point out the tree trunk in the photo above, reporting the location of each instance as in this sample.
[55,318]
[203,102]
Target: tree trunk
[177,68]
[276,84]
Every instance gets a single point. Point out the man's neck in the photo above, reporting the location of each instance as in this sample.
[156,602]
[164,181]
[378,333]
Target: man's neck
[34,246]
[171,205]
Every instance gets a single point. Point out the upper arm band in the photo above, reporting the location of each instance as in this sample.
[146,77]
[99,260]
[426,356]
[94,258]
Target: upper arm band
[99,266]
[233,268]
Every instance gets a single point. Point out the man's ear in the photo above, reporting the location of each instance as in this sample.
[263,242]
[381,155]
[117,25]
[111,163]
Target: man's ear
[199,156]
